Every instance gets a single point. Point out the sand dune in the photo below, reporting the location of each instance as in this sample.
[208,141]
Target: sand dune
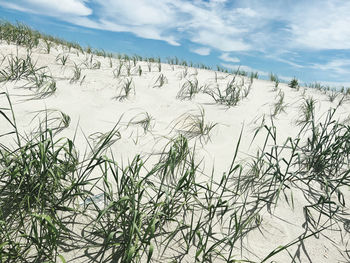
[153,113]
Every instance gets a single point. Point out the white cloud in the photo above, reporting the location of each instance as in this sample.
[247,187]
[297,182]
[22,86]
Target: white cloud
[208,23]
[203,51]
[338,66]
[221,25]
[137,12]
[293,64]
[322,24]
[226,57]
[51,8]
[246,11]
[14,7]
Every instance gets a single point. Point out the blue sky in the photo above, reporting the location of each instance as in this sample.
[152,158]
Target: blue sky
[306,39]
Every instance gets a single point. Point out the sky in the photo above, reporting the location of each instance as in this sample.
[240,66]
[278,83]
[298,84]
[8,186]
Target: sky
[306,39]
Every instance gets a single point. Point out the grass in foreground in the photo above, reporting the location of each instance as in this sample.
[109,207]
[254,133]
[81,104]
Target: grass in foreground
[135,213]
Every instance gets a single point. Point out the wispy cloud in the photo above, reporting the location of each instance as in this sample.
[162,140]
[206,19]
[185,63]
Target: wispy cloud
[321,24]
[51,8]
[338,66]
[203,51]
[226,57]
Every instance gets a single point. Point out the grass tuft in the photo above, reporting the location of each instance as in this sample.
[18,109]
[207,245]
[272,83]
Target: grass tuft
[189,89]
[127,87]
[160,81]
[279,106]
[194,126]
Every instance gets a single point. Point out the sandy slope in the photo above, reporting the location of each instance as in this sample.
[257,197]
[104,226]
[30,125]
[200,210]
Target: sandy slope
[93,108]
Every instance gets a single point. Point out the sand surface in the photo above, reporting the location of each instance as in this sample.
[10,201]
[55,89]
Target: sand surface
[93,108]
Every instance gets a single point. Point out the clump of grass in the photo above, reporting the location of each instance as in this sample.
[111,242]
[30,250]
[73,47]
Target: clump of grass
[273,77]
[159,65]
[76,74]
[23,35]
[258,127]
[280,105]
[347,92]
[55,120]
[230,96]
[128,68]
[24,69]
[88,61]
[62,59]
[100,52]
[254,75]
[332,95]
[149,66]
[91,63]
[88,50]
[188,89]
[96,65]
[144,120]
[216,77]
[102,141]
[36,81]
[47,89]
[182,74]
[48,45]
[276,81]
[39,184]
[134,60]
[307,111]
[294,84]
[129,235]
[110,62]
[194,126]
[118,71]
[139,70]
[19,68]
[125,69]
[324,160]
[20,34]
[127,87]
[160,81]
[247,89]
[316,85]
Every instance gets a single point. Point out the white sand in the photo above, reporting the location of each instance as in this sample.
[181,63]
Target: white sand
[92,109]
